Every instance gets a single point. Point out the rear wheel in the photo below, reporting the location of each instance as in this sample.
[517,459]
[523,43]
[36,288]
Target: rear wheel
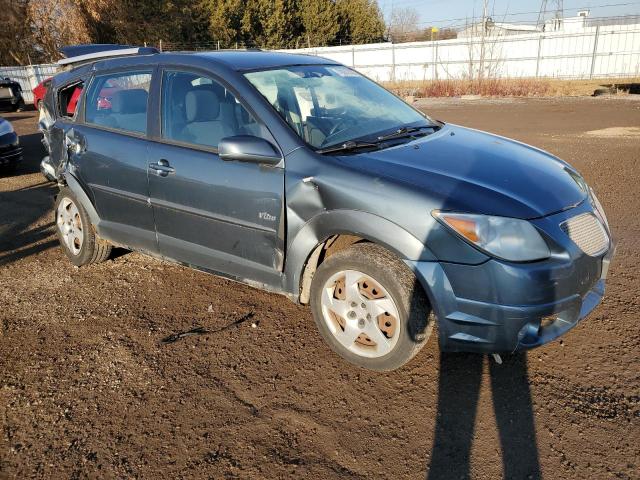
[369,307]
[75,232]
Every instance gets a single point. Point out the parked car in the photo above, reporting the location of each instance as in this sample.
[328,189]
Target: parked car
[298,175]
[40,91]
[11,95]
[10,149]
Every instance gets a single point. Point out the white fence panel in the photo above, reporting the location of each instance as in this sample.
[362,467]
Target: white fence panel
[611,51]
[603,51]
[29,77]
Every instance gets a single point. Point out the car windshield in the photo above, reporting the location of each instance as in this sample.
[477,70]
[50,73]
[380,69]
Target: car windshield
[328,105]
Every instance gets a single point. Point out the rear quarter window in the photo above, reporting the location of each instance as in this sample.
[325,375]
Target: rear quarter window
[68,99]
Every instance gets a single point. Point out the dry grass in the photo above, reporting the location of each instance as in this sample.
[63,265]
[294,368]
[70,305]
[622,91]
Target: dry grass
[511,87]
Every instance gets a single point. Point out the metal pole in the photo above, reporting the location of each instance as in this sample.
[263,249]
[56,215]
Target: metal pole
[353,56]
[484,28]
[393,62]
[539,53]
[434,46]
[595,51]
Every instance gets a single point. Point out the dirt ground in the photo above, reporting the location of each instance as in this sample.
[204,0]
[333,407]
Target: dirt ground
[88,390]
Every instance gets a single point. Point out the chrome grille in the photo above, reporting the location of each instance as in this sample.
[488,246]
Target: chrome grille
[587,232]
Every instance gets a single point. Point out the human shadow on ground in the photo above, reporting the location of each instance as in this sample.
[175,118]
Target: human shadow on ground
[458,393]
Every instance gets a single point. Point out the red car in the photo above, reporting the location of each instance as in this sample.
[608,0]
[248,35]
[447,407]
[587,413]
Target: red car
[40,91]
[104,99]
[105,96]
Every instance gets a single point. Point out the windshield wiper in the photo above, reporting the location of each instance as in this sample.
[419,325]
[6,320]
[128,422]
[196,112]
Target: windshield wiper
[403,132]
[348,146]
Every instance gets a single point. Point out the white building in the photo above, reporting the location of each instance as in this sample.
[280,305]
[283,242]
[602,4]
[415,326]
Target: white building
[569,25]
[496,29]
[499,29]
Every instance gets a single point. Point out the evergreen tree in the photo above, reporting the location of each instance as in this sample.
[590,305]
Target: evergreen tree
[34,30]
[319,22]
[361,21]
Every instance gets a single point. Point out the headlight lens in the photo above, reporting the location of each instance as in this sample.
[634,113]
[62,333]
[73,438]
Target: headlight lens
[5,127]
[598,206]
[506,238]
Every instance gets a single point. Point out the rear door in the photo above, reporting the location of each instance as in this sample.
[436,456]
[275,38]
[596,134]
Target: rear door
[221,215]
[110,157]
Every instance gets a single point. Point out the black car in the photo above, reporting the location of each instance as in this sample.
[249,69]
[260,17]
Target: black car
[11,95]
[10,149]
[298,175]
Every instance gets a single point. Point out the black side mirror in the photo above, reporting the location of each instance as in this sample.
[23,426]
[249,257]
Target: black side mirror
[247,148]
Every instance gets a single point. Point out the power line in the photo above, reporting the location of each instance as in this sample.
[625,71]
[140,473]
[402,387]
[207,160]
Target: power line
[432,22]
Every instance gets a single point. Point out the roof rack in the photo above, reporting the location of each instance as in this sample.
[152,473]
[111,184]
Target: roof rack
[91,52]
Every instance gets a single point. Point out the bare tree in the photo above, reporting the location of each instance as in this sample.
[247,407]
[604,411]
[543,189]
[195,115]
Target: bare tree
[55,24]
[403,26]
[14,30]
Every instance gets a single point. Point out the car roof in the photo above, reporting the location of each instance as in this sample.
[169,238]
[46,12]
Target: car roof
[249,59]
[238,60]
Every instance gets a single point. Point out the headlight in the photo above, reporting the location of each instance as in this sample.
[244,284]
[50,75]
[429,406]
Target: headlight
[5,127]
[598,207]
[506,238]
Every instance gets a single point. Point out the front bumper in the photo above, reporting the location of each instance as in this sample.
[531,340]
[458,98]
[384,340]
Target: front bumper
[10,150]
[9,103]
[500,307]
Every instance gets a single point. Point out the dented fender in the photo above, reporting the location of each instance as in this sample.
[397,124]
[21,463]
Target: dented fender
[349,222]
[83,198]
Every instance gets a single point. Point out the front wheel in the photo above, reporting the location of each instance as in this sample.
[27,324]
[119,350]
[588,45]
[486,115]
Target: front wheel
[75,232]
[369,307]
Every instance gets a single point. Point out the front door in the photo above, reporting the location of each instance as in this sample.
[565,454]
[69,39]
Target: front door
[225,216]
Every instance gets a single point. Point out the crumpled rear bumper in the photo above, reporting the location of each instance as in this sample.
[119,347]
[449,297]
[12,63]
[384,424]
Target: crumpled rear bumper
[477,326]
[47,169]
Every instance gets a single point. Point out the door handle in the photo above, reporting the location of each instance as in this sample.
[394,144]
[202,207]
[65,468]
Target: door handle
[162,168]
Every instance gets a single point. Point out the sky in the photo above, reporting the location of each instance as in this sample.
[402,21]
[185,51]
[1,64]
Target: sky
[443,13]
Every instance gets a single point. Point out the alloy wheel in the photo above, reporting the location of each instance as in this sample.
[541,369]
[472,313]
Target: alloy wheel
[360,313]
[69,224]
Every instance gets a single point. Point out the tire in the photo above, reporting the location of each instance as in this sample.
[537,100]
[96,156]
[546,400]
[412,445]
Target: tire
[10,169]
[75,231]
[602,91]
[379,277]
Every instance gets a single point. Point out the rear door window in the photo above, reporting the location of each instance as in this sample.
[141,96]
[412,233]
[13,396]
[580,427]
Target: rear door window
[119,101]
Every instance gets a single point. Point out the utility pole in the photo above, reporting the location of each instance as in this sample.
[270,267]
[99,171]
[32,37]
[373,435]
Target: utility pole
[558,13]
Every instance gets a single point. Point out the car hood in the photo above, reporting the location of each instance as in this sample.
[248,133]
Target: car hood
[468,170]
